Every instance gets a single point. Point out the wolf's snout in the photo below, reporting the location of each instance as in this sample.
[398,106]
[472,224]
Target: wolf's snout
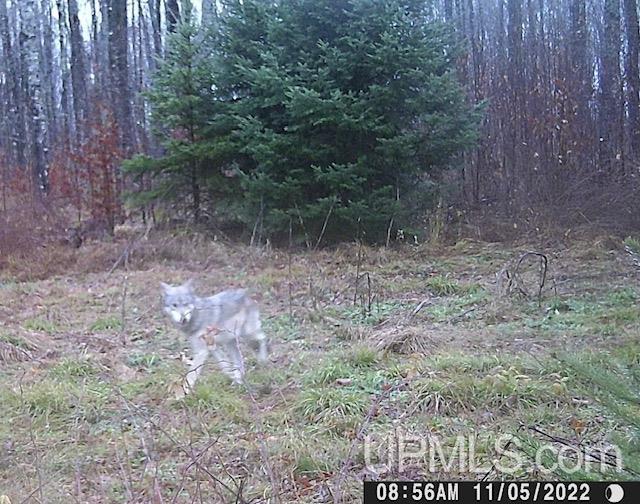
[185,317]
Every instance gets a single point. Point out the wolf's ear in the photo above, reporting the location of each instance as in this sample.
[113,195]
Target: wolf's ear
[165,287]
[189,284]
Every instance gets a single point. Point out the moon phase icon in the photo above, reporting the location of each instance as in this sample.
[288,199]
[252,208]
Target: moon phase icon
[614,493]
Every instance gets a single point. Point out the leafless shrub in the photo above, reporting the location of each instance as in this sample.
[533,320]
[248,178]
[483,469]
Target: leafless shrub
[525,276]
[550,210]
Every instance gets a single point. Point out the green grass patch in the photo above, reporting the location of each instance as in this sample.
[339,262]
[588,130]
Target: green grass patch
[213,394]
[283,327]
[312,454]
[602,314]
[633,243]
[332,402]
[143,361]
[443,285]
[611,385]
[363,357]
[72,369]
[55,403]
[361,367]
[457,307]
[106,324]
[17,341]
[460,383]
[339,390]
[363,313]
[41,325]
[151,386]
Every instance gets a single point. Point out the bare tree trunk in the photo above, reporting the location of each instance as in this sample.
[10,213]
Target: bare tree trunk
[64,69]
[96,52]
[15,89]
[516,87]
[145,64]
[579,90]
[46,66]
[632,74]
[7,107]
[78,70]
[32,80]
[609,102]
[173,14]
[119,66]
[448,10]
[209,13]
[106,84]
[154,13]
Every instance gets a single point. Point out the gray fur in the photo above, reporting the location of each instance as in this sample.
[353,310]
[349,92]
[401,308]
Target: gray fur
[215,324]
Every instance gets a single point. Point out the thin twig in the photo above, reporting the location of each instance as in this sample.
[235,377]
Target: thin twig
[290,287]
[130,247]
[388,241]
[131,406]
[358,261]
[582,449]
[495,462]
[304,229]
[544,263]
[324,224]
[32,438]
[123,311]
[126,474]
[420,306]
[258,221]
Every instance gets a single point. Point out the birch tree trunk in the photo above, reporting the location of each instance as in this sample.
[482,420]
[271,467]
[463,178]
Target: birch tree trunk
[46,66]
[119,68]
[78,69]
[32,82]
[65,83]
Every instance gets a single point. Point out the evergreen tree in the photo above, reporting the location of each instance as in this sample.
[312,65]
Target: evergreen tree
[184,116]
[343,107]
[330,113]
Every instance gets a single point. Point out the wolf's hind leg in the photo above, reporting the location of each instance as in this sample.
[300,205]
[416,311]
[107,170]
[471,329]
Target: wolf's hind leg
[258,341]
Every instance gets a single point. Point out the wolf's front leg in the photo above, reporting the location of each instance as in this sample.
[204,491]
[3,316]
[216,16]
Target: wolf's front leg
[229,362]
[199,358]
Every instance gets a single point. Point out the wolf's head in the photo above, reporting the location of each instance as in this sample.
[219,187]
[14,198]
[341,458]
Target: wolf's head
[179,302]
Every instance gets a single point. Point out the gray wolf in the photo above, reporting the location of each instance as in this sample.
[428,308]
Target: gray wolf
[215,325]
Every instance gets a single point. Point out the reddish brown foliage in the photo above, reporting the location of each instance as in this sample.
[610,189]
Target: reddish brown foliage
[84,185]
[88,176]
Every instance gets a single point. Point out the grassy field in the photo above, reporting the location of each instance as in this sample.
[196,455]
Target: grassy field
[369,347]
